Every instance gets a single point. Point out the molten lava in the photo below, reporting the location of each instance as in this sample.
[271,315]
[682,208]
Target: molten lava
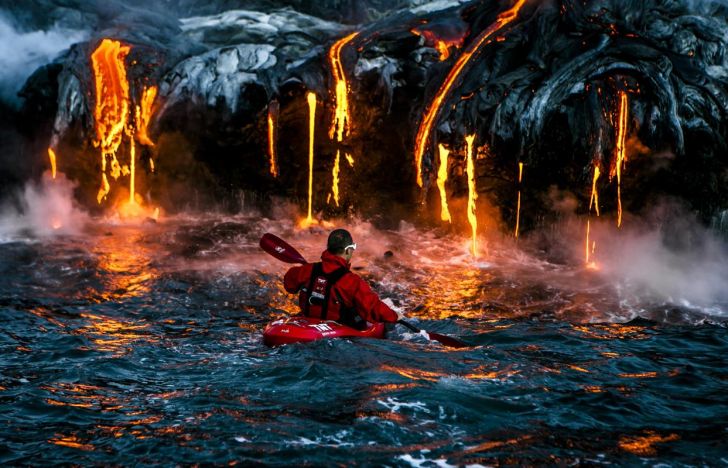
[52,159]
[518,205]
[433,111]
[272,113]
[441,179]
[111,109]
[132,172]
[341,122]
[442,45]
[335,176]
[144,114]
[594,200]
[472,194]
[621,151]
[311,98]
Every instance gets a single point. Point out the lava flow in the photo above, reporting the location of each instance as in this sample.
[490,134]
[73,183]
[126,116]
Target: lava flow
[518,207]
[472,193]
[144,114]
[52,159]
[311,98]
[441,179]
[273,109]
[621,153]
[111,110]
[335,177]
[594,199]
[433,111]
[341,122]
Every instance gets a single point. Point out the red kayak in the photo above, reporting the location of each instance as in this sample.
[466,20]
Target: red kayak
[301,329]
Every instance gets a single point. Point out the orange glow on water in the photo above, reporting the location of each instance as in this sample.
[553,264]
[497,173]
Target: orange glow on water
[472,194]
[272,144]
[621,151]
[311,98]
[70,441]
[144,114]
[340,125]
[645,445]
[52,159]
[433,111]
[518,204]
[441,179]
[111,109]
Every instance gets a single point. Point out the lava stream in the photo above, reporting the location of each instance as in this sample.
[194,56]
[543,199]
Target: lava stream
[518,206]
[441,179]
[472,194]
[433,111]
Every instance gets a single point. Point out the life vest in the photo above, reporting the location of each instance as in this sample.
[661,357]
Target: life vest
[316,299]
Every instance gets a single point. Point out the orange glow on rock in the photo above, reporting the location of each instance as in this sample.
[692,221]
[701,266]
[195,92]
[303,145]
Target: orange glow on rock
[441,179]
[472,194]
[442,45]
[433,111]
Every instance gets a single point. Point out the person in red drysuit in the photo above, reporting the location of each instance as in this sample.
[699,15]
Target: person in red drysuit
[330,291]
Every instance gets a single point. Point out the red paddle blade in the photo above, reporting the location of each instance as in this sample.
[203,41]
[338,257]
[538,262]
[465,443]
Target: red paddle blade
[280,249]
[447,340]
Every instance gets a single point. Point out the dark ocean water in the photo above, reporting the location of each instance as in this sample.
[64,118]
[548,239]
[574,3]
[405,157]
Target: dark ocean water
[141,344]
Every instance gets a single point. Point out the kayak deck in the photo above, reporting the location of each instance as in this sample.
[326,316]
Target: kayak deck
[301,329]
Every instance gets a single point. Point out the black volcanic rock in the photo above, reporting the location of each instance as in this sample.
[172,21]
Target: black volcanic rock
[543,91]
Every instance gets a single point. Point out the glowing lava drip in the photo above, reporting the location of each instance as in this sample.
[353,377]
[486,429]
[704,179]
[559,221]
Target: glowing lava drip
[593,202]
[144,114]
[472,194]
[341,123]
[111,111]
[432,113]
[311,97]
[52,159]
[272,113]
[518,207]
[621,156]
[441,179]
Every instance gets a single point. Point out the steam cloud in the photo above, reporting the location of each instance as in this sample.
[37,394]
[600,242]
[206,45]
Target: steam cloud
[46,208]
[21,53]
[670,261]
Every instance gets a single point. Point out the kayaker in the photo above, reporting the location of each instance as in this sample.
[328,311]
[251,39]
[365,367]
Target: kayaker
[330,291]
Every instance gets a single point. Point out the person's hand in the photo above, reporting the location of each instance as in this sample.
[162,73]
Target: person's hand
[397,310]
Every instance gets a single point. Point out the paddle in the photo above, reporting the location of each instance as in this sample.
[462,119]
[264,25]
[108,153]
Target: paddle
[284,252]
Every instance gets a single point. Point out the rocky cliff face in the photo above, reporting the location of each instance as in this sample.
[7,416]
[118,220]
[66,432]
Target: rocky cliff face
[543,89]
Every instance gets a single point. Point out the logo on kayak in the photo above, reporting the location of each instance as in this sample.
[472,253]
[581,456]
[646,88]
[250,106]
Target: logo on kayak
[279,249]
[322,327]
